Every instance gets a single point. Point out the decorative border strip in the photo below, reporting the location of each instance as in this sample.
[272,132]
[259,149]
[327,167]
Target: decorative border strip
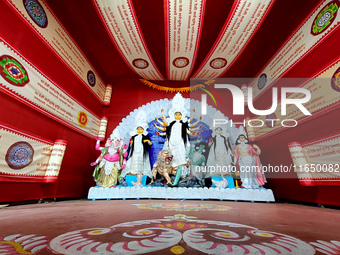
[183,30]
[316,161]
[127,36]
[41,92]
[232,41]
[54,36]
[25,134]
[321,139]
[329,105]
[27,158]
[295,47]
[16,178]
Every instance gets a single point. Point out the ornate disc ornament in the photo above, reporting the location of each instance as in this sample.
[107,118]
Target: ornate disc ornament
[12,71]
[36,12]
[335,82]
[19,155]
[91,78]
[218,63]
[262,81]
[180,62]
[140,63]
[270,120]
[325,18]
[82,118]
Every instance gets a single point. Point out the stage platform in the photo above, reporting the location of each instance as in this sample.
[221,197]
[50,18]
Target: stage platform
[120,192]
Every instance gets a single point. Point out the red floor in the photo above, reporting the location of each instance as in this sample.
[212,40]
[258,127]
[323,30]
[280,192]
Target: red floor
[168,227]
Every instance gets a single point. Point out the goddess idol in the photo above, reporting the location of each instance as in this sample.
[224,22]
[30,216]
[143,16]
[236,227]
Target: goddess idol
[220,153]
[176,129]
[139,148]
[247,157]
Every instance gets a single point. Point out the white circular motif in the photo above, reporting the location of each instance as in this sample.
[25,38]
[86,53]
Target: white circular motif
[143,241]
[232,238]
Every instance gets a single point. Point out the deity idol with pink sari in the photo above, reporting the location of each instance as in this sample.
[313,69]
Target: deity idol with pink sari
[247,157]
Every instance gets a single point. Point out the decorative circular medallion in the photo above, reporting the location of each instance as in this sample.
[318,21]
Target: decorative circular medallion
[36,12]
[218,63]
[19,155]
[13,71]
[270,120]
[82,118]
[325,18]
[335,82]
[183,207]
[91,78]
[180,62]
[262,81]
[140,63]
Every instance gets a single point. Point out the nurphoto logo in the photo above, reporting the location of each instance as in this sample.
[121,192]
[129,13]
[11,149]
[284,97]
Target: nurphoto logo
[239,102]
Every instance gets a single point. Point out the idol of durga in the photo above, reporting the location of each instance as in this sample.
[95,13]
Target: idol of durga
[176,129]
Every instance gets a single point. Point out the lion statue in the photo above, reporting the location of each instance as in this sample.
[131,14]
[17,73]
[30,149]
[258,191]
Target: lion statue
[163,166]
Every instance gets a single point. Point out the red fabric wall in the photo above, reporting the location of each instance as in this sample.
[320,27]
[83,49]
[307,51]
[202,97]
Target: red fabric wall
[74,178]
[275,148]
[75,174]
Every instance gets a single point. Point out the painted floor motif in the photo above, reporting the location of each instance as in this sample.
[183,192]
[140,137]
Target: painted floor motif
[182,207]
[22,244]
[147,236]
[168,227]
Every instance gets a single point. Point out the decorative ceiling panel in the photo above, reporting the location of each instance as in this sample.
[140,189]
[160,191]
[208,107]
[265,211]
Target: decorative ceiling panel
[183,33]
[122,25]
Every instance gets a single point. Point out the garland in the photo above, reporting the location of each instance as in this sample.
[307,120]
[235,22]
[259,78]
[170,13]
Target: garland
[173,90]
